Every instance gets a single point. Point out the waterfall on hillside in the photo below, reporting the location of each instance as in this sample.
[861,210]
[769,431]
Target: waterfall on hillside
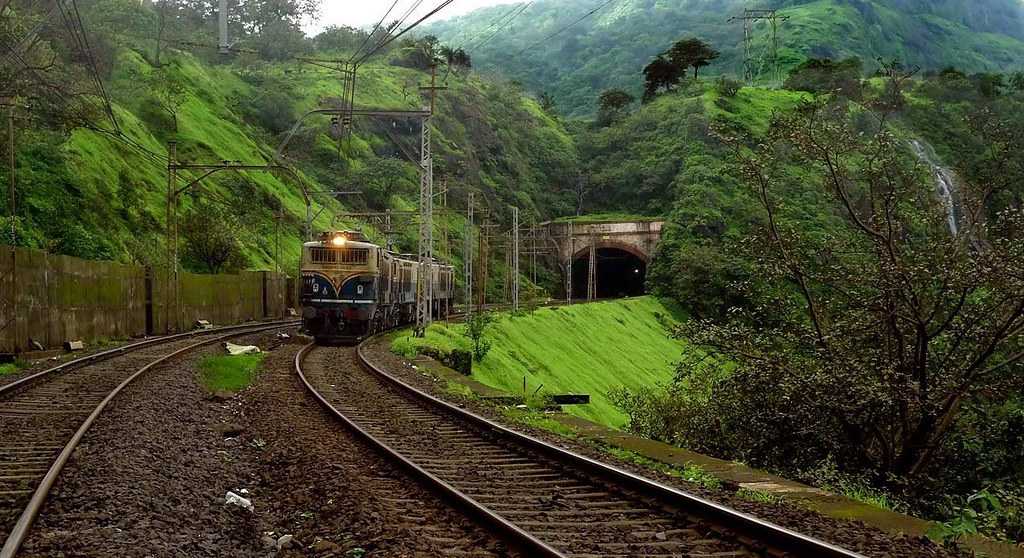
[945,183]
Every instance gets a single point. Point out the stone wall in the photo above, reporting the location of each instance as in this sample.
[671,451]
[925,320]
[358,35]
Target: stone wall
[51,299]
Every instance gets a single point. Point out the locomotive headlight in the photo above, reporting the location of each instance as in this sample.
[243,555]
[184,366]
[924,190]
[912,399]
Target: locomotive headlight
[338,240]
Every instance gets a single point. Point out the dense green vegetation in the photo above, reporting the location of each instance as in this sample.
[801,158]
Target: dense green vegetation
[747,277]
[229,373]
[609,49]
[804,236]
[587,348]
[85,192]
[10,368]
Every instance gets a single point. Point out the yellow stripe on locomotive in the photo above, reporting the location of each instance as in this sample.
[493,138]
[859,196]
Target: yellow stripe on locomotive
[352,287]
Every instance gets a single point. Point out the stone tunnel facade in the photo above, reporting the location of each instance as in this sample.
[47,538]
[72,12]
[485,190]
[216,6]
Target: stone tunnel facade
[605,260]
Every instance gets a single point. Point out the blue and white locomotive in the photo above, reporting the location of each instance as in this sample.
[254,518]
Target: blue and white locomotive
[352,288]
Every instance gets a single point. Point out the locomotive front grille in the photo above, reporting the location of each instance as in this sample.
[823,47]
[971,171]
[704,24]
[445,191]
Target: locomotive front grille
[341,256]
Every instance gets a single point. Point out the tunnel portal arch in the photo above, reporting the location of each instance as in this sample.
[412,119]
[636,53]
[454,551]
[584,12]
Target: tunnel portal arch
[624,251]
[621,271]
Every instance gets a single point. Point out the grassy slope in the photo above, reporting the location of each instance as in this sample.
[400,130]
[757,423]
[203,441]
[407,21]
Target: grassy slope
[610,48]
[229,373]
[101,199]
[589,348]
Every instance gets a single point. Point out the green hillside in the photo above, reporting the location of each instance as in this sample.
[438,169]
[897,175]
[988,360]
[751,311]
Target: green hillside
[85,192]
[610,48]
[588,348]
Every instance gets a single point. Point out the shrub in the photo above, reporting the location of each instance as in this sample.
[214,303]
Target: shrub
[728,87]
[476,327]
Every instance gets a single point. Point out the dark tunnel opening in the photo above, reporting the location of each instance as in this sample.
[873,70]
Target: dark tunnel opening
[619,273]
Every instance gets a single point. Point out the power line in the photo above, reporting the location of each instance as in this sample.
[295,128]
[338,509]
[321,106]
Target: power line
[504,26]
[73,22]
[560,31]
[497,20]
[375,28]
[391,28]
[384,44]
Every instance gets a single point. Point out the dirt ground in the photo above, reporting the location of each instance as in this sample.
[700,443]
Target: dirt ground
[852,535]
[151,477]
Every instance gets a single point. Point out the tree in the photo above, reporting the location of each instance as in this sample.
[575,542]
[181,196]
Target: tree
[379,180]
[661,74]
[580,189]
[456,60]
[547,103]
[823,75]
[1017,81]
[477,325]
[875,332]
[692,53]
[991,85]
[421,54]
[461,60]
[211,235]
[610,105]
[896,75]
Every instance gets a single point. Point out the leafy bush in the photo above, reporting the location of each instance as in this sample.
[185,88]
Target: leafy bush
[728,87]
[476,328]
[211,237]
[818,75]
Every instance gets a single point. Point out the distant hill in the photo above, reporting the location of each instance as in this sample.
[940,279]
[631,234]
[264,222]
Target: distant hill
[610,48]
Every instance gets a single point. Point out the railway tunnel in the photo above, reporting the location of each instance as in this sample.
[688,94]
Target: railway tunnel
[620,272]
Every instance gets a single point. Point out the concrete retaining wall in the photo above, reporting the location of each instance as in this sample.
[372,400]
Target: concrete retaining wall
[52,299]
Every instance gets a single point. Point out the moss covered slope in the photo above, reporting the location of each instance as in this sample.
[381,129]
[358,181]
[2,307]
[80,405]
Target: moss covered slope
[586,348]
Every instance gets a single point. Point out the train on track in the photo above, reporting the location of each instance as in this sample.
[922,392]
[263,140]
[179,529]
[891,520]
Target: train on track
[352,287]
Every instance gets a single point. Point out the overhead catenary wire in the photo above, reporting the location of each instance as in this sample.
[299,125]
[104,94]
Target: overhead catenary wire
[567,27]
[95,68]
[73,22]
[393,38]
[497,21]
[366,40]
[391,28]
[504,26]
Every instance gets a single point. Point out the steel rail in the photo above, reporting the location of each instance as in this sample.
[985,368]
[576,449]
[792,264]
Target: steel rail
[118,351]
[774,536]
[511,533]
[21,529]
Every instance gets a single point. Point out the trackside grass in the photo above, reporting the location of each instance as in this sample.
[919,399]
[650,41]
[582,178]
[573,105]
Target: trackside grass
[586,348]
[12,367]
[229,373]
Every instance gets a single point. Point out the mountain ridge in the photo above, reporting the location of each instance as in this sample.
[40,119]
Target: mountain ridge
[610,48]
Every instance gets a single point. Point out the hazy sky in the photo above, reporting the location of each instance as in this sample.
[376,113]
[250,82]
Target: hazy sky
[367,12]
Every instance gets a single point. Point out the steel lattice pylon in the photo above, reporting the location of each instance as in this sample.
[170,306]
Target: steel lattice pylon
[424,285]
[467,257]
[515,259]
[751,67]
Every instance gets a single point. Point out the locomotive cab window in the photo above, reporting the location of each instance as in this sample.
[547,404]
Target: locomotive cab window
[344,256]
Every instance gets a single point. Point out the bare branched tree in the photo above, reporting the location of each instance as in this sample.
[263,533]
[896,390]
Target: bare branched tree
[879,325]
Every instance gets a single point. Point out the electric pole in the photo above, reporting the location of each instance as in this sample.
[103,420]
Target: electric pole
[484,262]
[424,284]
[467,257]
[12,162]
[751,69]
[222,15]
[170,236]
[592,270]
[568,265]
[171,224]
[515,259]
[533,251]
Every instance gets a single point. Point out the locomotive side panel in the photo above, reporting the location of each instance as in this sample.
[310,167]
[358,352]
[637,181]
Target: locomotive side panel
[352,288]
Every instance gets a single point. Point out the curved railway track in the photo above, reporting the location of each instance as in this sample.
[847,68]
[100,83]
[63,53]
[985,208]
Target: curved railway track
[546,501]
[44,416]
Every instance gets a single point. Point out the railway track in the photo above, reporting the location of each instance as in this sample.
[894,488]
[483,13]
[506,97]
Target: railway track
[544,500]
[44,416]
